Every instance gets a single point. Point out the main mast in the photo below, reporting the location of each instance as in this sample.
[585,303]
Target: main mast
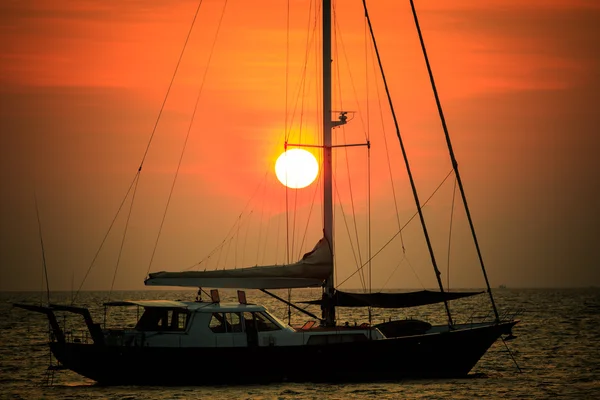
[327,308]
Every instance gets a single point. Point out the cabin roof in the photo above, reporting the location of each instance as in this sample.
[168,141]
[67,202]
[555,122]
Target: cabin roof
[189,305]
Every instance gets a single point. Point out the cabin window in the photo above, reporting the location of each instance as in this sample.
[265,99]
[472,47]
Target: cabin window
[234,322]
[259,321]
[162,319]
[249,323]
[217,323]
[179,320]
[226,322]
[263,323]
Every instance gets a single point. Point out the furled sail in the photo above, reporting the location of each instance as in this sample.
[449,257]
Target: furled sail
[392,300]
[312,270]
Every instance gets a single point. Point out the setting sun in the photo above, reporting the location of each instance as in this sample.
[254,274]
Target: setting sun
[296,168]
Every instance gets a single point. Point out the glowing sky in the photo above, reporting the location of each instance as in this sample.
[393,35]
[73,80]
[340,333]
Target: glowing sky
[82,83]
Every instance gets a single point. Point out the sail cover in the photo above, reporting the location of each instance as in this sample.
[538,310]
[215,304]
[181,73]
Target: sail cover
[312,270]
[392,300]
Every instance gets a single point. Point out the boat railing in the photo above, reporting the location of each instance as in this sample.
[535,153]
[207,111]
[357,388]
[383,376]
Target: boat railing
[112,337]
[78,336]
[474,319]
[509,314]
[122,337]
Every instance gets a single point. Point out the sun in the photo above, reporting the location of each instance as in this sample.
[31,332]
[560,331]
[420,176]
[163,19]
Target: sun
[296,168]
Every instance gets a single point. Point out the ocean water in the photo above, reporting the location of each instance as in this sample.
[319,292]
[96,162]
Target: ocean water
[556,353]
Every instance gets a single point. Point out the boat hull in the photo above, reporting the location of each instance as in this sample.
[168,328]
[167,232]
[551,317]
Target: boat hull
[437,355]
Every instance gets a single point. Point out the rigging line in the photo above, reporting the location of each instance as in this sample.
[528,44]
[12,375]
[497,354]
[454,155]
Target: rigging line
[301,83]
[235,250]
[403,226]
[300,94]
[290,248]
[136,177]
[319,83]
[219,247]
[262,209]
[289,306]
[264,247]
[367,91]
[405,257]
[308,219]
[453,159]
[319,100]
[302,310]
[229,233]
[358,268]
[137,174]
[392,274]
[246,239]
[296,201]
[346,151]
[287,217]
[227,252]
[37,212]
[352,79]
[352,204]
[287,67]
[72,284]
[387,153]
[42,287]
[277,239]
[334,61]
[287,62]
[187,136]
[450,236]
[511,354]
[295,215]
[398,266]
[162,107]
[294,313]
[220,253]
[408,170]
[293,230]
[369,214]
[369,158]
[303,96]
[240,224]
[123,239]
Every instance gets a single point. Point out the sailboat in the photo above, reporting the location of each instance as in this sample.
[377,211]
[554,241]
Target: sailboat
[243,342]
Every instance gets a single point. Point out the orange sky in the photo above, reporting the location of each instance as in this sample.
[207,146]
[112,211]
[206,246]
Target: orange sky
[82,82]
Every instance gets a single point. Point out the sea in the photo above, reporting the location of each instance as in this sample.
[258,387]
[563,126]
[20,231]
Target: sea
[556,352]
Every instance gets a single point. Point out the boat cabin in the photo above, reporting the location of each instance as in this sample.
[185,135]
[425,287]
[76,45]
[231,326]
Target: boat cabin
[215,324]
